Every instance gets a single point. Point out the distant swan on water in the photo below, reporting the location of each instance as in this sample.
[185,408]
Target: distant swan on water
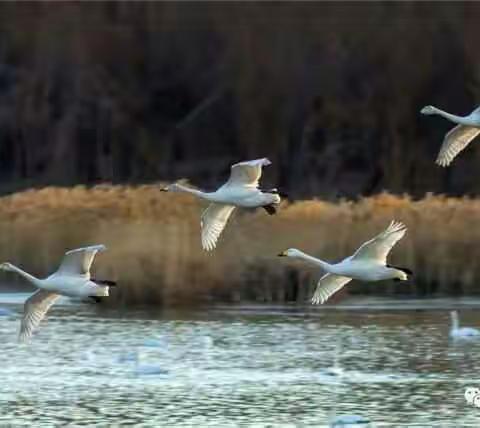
[368,263]
[458,137]
[458,332]
[241,190]
[142,369]
[71,279]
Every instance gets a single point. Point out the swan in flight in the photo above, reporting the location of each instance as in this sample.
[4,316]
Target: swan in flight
[241,190]
[368,263]
[71,279]
[458,137]
[459,332]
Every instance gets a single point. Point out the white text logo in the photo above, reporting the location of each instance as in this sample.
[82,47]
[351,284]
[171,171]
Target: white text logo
[472,395]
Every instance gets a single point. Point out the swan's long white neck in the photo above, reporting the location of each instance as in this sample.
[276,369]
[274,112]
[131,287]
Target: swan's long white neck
[313,260]
[30,278]
[176,187]
[455,323]
[462,120]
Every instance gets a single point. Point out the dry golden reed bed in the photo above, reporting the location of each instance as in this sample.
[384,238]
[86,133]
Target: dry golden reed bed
[154,251]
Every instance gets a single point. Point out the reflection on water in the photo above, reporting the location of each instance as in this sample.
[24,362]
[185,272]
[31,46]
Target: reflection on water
[229,367]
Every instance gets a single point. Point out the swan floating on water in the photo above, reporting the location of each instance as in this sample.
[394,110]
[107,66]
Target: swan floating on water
[343,420]
[241,190]
[349,421]
[139,368]
[458,137]
[368,263]
[148,369]
[71,279]
[461,332]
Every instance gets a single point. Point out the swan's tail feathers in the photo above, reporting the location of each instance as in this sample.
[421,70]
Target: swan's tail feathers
[275,191]
[270,209]
[105,282]
[403,269]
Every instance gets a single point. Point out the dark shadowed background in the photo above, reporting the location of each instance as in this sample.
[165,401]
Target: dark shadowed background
[128,92]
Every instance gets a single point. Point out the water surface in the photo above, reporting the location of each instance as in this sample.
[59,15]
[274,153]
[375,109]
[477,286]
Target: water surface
[390,361]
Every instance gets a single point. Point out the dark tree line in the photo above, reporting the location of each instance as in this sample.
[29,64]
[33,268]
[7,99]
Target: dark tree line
[130,92]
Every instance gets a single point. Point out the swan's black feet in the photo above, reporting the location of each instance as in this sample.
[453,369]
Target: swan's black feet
[96,299]
[270,209]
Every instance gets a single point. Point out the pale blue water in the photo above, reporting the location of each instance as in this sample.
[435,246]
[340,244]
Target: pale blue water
[239,366]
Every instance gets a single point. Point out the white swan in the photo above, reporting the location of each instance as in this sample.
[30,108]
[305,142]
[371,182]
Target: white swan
[342,420]
[458,332]
[142,369]
[241,190]
[458,137]
[368,263]
[71,279]
[346,421]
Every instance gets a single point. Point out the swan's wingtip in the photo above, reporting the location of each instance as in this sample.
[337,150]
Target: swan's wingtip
[98,247]
[442,162]
[396,226]
[208,246]
[254,162]
[316,300]
[22,339]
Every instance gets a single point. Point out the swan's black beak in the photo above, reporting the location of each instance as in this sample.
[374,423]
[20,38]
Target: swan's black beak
[282,254]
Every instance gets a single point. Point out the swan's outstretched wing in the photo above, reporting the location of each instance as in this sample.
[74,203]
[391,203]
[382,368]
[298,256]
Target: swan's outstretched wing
[78,262]
[454,142]
[379,247]
[328,285]
[213,221]
[247,173]
[35,309]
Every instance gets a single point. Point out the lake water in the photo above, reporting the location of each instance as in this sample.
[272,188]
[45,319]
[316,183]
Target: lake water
[390,361]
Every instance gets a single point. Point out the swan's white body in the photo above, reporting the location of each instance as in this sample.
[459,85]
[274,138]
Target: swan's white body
[71,279]
[241,190]
[457,332]
[458,137]
[368,263]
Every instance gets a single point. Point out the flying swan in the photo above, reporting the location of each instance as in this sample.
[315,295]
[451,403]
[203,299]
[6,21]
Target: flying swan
[368,263]
[241,190]
[458,332]
[71,279]
[458,137]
